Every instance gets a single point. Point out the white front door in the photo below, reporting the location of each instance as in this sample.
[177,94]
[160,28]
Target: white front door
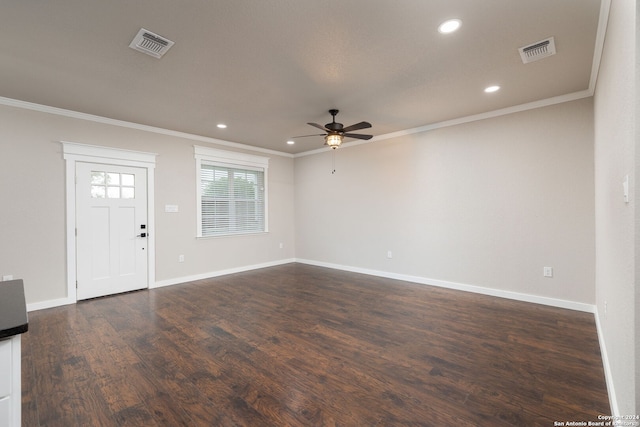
[111,229]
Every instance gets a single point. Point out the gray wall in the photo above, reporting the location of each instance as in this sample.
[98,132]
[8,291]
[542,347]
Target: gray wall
[32,218]
[615,144]
[488,203]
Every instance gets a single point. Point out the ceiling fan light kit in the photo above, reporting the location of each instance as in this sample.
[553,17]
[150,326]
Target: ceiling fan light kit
[333,140]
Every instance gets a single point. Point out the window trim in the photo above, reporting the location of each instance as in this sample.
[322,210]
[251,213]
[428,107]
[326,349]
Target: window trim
[231,159]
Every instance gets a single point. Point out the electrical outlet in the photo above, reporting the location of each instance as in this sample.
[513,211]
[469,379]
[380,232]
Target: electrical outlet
[281,245]
[7,277]
[180,258]
[547,271]
[389,254]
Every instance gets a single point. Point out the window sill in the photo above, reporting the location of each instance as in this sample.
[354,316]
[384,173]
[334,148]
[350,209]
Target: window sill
[233,235]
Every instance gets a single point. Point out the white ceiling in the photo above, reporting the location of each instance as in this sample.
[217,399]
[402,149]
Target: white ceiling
[266,68]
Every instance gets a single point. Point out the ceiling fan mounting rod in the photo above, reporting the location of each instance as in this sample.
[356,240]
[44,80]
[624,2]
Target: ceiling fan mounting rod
[333,126]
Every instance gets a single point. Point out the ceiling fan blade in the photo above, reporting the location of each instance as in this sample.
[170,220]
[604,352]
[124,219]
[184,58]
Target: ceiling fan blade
[304,136]
[357,136]
[315,125]
[357,126]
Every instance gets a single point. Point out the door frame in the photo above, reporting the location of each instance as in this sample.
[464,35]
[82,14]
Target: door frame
[75,152]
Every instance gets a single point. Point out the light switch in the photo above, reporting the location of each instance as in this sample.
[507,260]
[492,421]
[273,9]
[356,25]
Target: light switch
[625,188]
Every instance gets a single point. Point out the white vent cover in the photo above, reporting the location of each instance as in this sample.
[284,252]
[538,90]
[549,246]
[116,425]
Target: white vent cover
[150,43]
[538,50]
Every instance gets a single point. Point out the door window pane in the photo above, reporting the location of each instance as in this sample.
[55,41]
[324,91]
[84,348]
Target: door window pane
[128,193]
[113,178]
[112,185]
[97,178]
[98,191]
[113,192]
[128,179]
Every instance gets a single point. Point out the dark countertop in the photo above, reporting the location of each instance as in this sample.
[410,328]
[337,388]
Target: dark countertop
[13,309]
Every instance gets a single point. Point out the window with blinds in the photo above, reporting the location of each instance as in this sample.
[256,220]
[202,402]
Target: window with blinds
[232,200]
[231,197]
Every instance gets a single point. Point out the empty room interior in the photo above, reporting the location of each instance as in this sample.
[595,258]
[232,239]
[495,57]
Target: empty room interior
[321,213]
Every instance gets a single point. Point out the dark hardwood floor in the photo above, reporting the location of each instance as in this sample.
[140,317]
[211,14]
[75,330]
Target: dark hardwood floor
[297,345]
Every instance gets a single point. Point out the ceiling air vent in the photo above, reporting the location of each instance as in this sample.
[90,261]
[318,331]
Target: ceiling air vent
[150,43]
[538,50]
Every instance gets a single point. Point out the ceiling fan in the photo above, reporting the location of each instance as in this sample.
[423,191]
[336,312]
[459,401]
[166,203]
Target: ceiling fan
[335,132]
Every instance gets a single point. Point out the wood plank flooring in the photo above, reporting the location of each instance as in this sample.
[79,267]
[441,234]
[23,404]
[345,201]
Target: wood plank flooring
[297,345]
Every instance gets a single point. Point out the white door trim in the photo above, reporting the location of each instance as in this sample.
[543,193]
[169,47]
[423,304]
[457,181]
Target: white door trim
[74,152]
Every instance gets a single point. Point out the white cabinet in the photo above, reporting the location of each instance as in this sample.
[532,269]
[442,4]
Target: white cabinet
[10,387]
[13,322]
[5,411]
[5,367]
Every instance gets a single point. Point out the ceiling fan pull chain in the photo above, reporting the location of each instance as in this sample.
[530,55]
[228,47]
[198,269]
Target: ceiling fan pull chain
[333,161]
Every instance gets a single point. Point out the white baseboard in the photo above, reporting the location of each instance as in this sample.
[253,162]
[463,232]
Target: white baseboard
[554,302]
[43,305]
[608,375]
[536,299]
[209,275]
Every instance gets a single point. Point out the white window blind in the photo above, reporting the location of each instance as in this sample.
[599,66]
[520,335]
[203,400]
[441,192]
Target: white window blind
[232,198]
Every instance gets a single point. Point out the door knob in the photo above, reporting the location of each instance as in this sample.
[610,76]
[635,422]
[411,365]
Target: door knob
[142,235]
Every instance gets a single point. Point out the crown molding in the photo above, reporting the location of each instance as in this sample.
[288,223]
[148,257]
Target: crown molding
[605,7]
[9,102]
[462,120]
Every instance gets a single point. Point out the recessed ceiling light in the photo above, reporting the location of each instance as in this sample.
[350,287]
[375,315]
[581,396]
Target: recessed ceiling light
[222,126]
[449,26]
[290,142]
[492,89]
